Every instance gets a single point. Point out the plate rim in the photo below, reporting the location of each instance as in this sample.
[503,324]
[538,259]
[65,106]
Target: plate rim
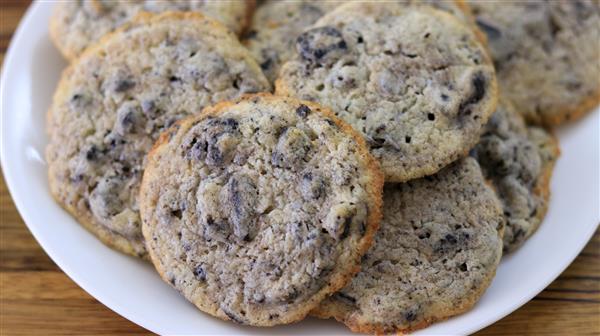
[8,68]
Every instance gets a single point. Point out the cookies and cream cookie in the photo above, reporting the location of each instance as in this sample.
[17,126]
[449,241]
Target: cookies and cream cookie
[546,55]
[257,209]
[436,251]
[277,23]
[413,80]
[75,25]
[113,101]
[518,160]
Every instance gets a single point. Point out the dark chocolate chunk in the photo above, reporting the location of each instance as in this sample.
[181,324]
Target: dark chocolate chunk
[92,153]
[221,138]
[176,213]
[490,31]
[478,91]
[291,295]
[448,243]
[232,316]
[321,46]
[266,64]
[303,110]
[241,199]
[123,85]
[198,149]
[250,34]
[345,297]
[199,273]
[129,117]
[410,315]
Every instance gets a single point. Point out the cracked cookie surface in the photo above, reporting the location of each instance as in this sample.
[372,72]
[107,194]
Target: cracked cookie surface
[546,55]
[258,209]
[436,251]
[112,103]
[414,81]
[518,160]
[75,25]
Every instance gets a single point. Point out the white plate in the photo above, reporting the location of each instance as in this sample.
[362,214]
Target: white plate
[131,288]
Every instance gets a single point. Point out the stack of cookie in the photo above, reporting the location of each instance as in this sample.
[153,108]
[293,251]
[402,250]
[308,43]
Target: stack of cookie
[167,142]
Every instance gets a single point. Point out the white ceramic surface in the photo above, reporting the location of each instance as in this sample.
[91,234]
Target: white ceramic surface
[131,288]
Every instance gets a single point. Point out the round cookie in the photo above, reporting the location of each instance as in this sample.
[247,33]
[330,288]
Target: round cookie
[112,103]
[258,209]
[436,251]
[518,160]
[413,80]
[75,25]
[276,24]
[546,55]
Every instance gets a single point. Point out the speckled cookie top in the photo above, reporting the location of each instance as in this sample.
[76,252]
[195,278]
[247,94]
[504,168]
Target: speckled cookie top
[519,161]
[113,102]
[436,251]
[77,24]
[414,81]
[258,209]
[546,55]
[276,25]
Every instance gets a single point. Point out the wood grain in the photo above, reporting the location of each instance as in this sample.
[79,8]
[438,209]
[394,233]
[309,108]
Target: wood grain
[36,296]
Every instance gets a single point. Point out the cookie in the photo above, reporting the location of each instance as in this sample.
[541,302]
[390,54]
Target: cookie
[546,55]
[275,27]
[436,251]
[518,160]
[276,24]
[75,25]
[112,103]
[413,80]
[258,209]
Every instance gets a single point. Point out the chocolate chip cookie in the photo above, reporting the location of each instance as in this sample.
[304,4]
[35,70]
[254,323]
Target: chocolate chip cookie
[518,160]
[258,209]
[413,80]
[112,103]
[546,55]
[75,25]
[434,255]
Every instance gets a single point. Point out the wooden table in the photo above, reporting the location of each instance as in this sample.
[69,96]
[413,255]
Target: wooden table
[36,296]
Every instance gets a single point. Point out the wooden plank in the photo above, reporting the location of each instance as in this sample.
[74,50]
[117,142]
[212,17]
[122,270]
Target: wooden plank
[63,317]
